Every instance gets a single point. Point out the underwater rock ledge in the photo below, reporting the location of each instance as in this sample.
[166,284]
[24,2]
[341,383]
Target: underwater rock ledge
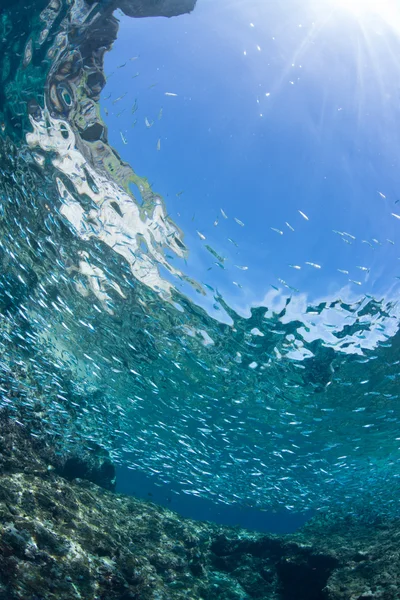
[22,452]
[66,540]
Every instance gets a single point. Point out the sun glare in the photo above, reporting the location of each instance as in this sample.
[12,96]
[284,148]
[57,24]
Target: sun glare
[387,9]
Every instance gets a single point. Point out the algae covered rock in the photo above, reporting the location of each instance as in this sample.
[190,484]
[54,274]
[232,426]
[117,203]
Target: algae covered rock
[64,535]
[63,540]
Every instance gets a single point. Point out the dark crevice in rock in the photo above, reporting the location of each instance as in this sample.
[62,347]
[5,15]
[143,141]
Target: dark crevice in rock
[305,577]
[91,466]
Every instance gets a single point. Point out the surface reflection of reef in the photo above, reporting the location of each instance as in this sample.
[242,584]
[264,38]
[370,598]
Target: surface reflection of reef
[287,407]
[70,135]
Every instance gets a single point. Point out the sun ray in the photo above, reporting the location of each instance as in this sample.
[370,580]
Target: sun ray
[386,9]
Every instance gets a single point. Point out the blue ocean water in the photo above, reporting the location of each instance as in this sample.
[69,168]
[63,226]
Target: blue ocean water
[199,264]
[140,485]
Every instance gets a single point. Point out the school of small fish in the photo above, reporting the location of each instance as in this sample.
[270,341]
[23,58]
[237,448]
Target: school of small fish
[293,405]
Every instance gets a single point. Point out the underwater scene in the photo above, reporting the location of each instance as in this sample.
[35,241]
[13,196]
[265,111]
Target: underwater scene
[199,300]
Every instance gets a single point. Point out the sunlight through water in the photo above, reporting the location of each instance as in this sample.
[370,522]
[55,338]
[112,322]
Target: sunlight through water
[387,9]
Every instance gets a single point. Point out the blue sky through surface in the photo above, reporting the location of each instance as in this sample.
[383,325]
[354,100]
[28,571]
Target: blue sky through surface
[278,109]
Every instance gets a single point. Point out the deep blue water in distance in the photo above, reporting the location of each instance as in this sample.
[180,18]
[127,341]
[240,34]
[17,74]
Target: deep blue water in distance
[142,486]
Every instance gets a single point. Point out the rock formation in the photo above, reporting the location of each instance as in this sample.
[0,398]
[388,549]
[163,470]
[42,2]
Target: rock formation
[67,540]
